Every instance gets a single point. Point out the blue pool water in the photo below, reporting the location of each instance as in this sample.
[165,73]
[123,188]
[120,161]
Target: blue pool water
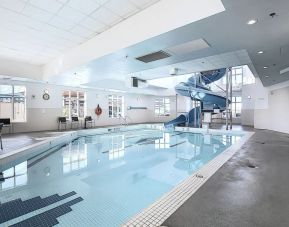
[104,180]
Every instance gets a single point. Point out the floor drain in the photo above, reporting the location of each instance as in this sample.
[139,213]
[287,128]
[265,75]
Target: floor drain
[199,175]
[252,166]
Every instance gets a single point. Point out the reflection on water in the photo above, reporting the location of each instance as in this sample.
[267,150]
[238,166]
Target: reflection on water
[116,147]
[190,151]
[15,176]
[200,149]
[74,156]
[163,142]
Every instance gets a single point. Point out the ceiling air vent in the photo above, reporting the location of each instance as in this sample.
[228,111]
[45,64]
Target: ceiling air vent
[153,56]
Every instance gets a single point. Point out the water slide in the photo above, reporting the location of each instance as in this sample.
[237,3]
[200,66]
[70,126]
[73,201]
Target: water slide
[197,89]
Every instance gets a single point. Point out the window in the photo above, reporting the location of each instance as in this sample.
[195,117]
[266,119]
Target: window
[236,106]
[13,102]
[162,107]
[237,76]
[115,106]
[74,104]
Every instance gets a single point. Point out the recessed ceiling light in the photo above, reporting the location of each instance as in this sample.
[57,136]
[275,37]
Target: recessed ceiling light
[266,76]
[260,52]
[252,21]
[265,67]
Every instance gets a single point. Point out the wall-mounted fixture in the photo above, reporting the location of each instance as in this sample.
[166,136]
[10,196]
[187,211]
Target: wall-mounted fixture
[139,83]
[136,108]
[46,96]
[174,71]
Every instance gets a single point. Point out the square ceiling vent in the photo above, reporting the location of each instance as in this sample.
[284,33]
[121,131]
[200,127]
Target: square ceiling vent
[153,56]
[188,47]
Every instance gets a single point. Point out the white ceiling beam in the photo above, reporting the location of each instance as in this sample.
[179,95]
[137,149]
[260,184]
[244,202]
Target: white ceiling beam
[157,19]
[13,68]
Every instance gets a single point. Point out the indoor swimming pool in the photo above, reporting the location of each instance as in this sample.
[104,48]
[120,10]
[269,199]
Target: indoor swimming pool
[103,180]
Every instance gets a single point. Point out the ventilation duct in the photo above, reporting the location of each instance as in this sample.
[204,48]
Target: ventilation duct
[153,56]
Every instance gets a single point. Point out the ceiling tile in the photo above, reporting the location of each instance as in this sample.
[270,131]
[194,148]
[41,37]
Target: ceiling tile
[122,8]
[14,5]
[61,23]
[70,14]
[88,7]
[63,1]
[81,31]
[106,16]
[143,3]
[38,30]
[51,6]
[101,2]
[93,25]
[36,13]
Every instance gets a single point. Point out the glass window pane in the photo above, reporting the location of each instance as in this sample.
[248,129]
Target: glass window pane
[81,95]
[73,94]
[6,90]
[6,108]
[238,99]
[65,94]
[19,108]
[239,71]
[73,104]
[74,112]
[239,79]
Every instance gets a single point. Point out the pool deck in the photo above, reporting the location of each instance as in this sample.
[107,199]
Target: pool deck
[237,195]
[16,141]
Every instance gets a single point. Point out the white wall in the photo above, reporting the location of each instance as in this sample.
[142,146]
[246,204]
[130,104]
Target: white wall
[43,114]
[276,115]
[254,97]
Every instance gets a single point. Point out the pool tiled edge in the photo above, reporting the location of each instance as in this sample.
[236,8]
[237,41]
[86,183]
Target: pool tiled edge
[158,212]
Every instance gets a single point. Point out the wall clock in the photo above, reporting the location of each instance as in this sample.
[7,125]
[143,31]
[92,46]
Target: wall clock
[46,96]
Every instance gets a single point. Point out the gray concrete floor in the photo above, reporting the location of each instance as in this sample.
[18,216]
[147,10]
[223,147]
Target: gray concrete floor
[240,196]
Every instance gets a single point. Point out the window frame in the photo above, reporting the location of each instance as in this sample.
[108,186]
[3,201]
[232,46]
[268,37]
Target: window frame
[162,103]
[236,100]
[236,76]
[12,101]
[118,110]
[70,99]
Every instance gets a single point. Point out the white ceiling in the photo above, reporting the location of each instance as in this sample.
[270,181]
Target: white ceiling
[36,31]
[226,33]
[27,35]
[224,60]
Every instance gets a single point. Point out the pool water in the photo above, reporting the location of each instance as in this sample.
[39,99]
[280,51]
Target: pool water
[104,180]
